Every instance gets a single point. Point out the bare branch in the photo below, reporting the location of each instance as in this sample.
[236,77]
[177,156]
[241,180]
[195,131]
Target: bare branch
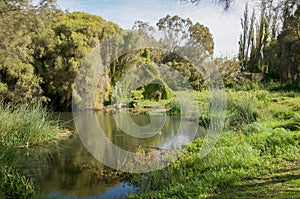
[225,3]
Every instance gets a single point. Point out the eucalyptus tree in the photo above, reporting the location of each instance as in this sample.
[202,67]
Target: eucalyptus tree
[179,32]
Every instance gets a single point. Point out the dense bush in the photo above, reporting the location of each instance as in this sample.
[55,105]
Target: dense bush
[240,111]
[174,108]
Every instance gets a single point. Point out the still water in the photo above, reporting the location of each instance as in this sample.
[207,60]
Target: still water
[72,172]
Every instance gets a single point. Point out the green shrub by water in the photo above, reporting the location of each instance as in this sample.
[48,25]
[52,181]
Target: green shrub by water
[22,128]
[174,108]
[27,125]
[240,112]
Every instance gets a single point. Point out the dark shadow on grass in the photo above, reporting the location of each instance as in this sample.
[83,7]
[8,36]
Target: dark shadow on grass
[274,186]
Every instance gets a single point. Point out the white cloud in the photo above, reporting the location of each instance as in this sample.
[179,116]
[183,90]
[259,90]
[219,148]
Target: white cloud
[224,26]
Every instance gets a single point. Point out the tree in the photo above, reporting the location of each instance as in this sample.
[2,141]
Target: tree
[289,42]
[246,38]
[274,51]
[175,31]
[179,32]
[143,28]
[200,37]
[225,3]
[18,81]
[67,43]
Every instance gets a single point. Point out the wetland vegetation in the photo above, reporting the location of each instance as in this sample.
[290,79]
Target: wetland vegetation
[42,52]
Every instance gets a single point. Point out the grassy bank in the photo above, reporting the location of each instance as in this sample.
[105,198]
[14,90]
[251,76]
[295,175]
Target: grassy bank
[257,155]
[25,132]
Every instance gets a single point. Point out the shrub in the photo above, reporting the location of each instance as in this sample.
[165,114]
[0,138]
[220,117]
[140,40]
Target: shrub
[204,120]
[240,111]
[174,108]
[279,139]
[269,140]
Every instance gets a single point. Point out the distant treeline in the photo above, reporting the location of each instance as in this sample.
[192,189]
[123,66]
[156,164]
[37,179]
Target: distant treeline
[270,40]
[42,48]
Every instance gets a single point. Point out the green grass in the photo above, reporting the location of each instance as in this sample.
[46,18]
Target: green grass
[27,125]
[284,182]
[241,110]
[256,157]
[236,160]
[23,128]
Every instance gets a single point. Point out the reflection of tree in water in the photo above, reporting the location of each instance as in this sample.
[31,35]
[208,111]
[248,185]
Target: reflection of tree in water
[72,172]
[122,139]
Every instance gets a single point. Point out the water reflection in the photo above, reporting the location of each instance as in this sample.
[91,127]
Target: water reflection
[114,191]
[71,172]
[170,136]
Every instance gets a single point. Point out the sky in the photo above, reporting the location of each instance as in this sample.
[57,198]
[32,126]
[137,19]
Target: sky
[225,26]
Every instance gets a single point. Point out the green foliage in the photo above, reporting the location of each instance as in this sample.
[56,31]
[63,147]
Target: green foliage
[268,48]
[244,85]
[174,108]
[22,128]
[234,159]
[138,94]
[230,161]
[270,141]
[183,68]
[157,90]
[42,49]
[292,124]
[278,140]
[178,30]
[229,70]
[18,81]
[15,185]
[72,38]
[257,149]
[45,47]
[26,126]
[240,111]
[204,120]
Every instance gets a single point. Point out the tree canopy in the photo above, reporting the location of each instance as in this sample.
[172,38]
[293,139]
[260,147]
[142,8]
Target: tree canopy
[42,48]
[270,43]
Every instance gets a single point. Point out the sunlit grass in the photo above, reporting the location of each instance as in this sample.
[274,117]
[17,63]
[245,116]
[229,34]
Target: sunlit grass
[261,137]
[22,129]
[27,125]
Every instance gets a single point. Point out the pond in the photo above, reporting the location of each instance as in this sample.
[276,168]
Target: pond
[72,172]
